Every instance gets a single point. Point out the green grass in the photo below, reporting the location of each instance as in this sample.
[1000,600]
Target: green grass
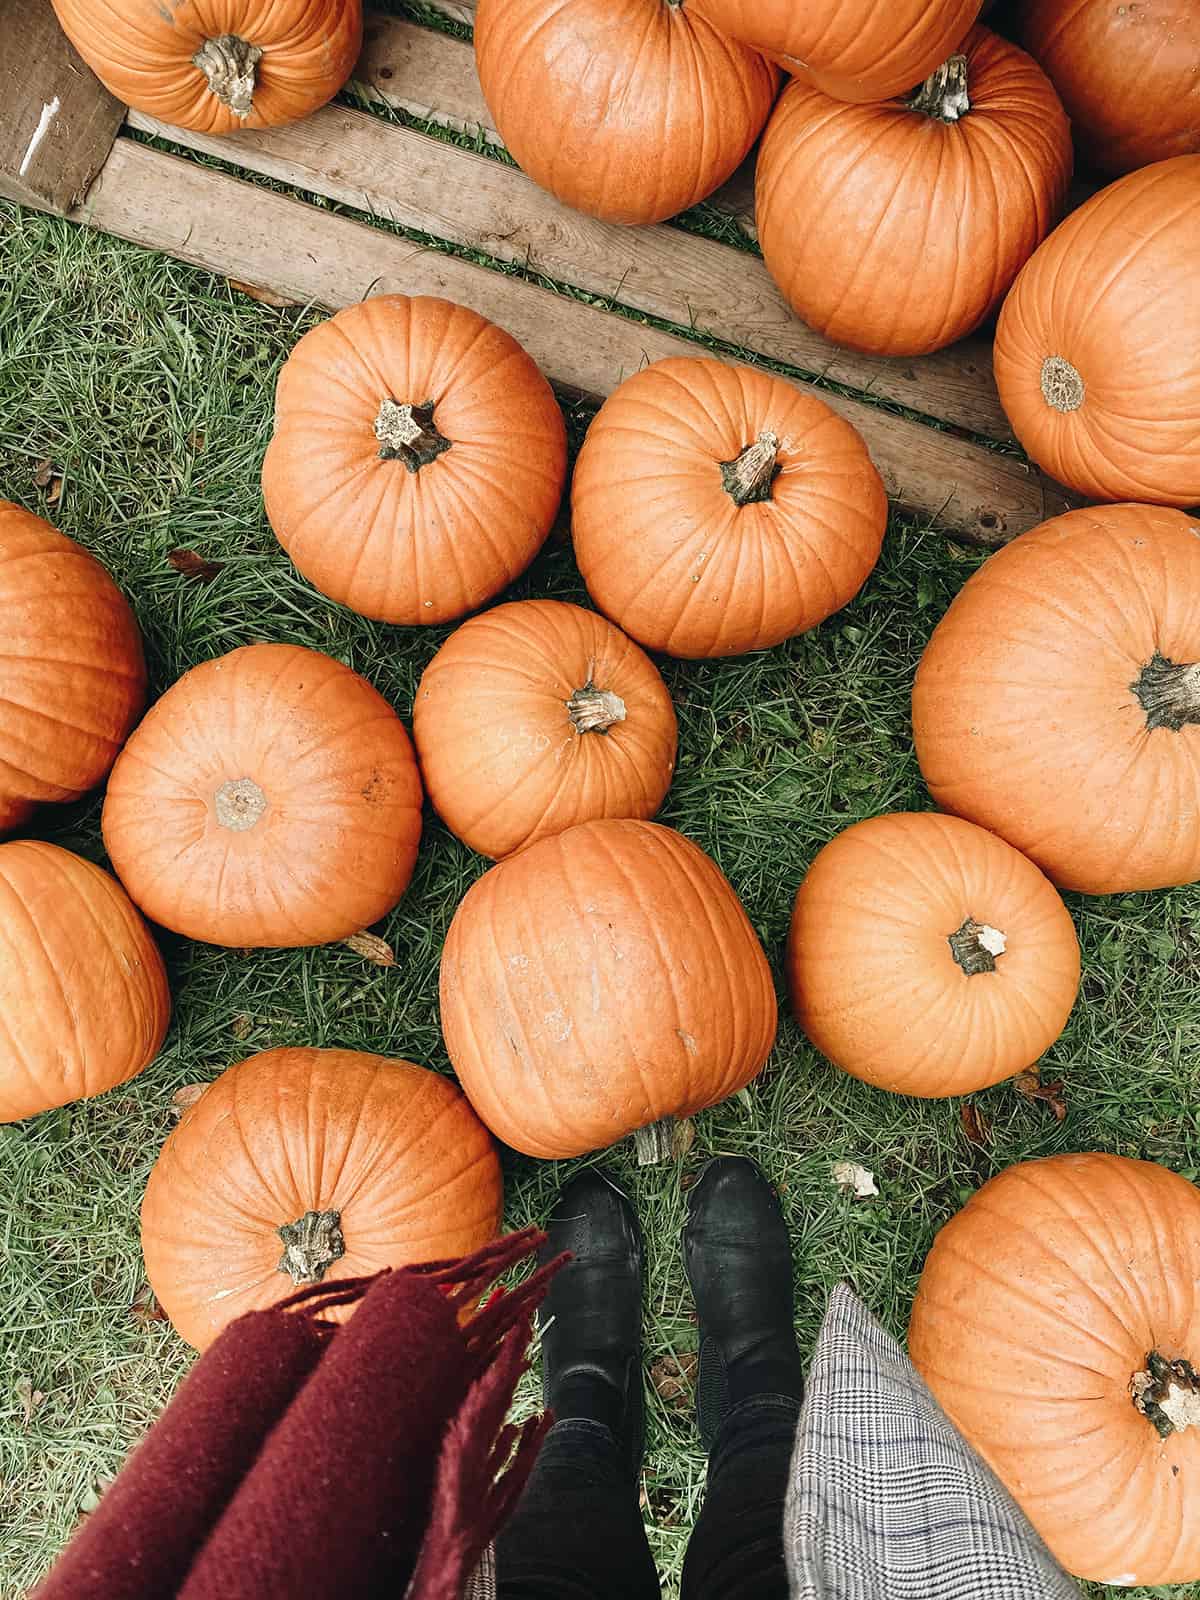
[150,385]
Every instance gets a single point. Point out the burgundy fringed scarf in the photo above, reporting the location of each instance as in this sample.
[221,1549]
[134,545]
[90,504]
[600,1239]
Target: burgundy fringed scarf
[364,1459]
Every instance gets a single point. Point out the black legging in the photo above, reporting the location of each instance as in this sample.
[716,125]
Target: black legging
[578,1533]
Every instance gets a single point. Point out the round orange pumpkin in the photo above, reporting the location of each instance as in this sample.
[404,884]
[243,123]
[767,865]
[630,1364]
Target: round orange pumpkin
[898,227]
[1058,1325]
[303,1166]
[928,957]
[1128,75]
[83,991]
[1058,701]
[218,65]
[72,676]
[1098,346]
[271,797]
[418,460]
[602,981]
[630,110]
[717,509]
[536,716]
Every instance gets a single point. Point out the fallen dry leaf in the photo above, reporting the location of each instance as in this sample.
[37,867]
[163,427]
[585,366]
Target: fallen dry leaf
[266,297]
[29,1399]
[145,1308]
[974,1124]
[853,1179]
[184,1099]
[1053,1094]
[372,948]
[43,473]
[190,564]
[683,1137]
[240,1026]
[674,1379]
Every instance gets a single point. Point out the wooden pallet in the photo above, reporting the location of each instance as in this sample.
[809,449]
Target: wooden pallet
[65,146]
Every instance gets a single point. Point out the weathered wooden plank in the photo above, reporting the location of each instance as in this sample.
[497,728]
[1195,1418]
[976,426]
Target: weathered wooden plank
[257,236]
[57,120]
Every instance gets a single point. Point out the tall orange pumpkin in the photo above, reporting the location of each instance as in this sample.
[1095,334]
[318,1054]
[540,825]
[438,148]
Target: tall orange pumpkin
[604,981]
[897,227]
[271,797]
[717,509]
[1058,1324]
[302,1166]
[72,676]
[1058,701]
[218,65]
[538,715]
[1098,346]
[418,460]
[630,110]
[928,957]
[84,1002]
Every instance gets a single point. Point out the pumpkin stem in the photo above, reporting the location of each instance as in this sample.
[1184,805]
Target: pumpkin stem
[1168,1394]
[655,1142]
[228,63]
[239,804]
[311,1245]
[747,479]
[1062,387]
[975,947]
[595,710]
[1169,694]
[944,95]
[407,433]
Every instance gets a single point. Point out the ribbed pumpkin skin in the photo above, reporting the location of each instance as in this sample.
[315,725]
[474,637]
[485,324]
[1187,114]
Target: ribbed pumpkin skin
[600,981]
[72,676]
[874,980]
[142,50]
[852,49]
[502,759]
[892,231]
[1038,1304]
[663,548]
[394,1149]
[1025,715]
[334,841]
[84,1003]
[1113,293]
[629,110]
[413,546]
[1126,74]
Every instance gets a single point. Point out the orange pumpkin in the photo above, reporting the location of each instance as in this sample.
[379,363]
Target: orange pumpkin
[630,110]
[218,65]
[600,982]
[898,227]
[536,716]
[83,991]
[418,460]
[271,797]
[1058,1325]
[717,509]
[72,676]
[302,1166]
[928,957]
[1058,701]
[1127,75]
[1098,346]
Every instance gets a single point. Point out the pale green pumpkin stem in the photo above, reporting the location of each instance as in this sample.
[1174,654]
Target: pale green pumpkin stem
[975,947]
[1167,1394]
[593,710]
[407,433]
[944,95]
[747,479]
[311,1245]
[229,64]
[1168,693]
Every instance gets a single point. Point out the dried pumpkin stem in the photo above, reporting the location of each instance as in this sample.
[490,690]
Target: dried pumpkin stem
[655,1142]
[239,804]
[747,479]
[1167,1393]
[975,947]
[1168,693]
[229,64]
[1062,387]
[944,95]
[593,710]
[311,1245]
[407,433]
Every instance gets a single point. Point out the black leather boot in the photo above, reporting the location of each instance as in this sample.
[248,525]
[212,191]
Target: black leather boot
[591,1319]
[739,1264]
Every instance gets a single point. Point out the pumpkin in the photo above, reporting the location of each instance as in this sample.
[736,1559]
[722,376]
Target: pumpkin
[536,716]
[83,991]
[1127,75]
[304,1166]
[218,65]
[418,459]
[1058,701]
[898,227]
[717,509]
[630,110]
[1097,352]
[1058,1325]
[271,797]
[928,957]
[851,49]
[603,982]
[72,676]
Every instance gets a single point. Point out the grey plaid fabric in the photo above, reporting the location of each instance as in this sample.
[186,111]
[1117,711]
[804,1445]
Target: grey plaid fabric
[481,1585]
[887,1500]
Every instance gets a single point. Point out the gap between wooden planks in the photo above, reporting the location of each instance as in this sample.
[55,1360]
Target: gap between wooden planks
[254,235]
